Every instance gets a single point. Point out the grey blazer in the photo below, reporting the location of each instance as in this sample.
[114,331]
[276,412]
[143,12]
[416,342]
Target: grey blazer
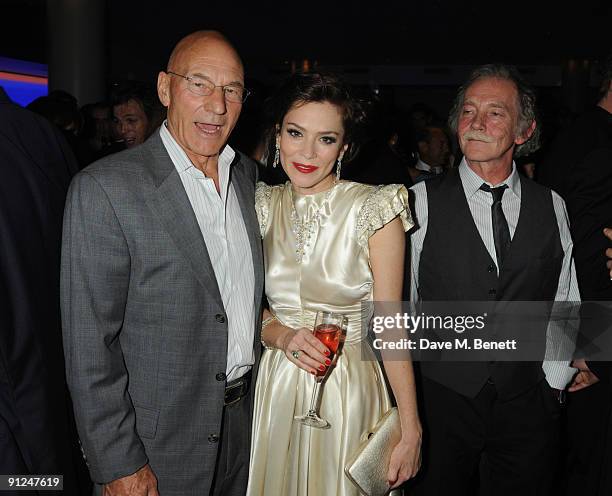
[144,327]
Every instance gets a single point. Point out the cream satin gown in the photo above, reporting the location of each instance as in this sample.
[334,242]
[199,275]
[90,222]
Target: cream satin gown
[287,458]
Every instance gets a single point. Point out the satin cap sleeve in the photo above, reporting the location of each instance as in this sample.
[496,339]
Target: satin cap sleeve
[263,194]
[381,206]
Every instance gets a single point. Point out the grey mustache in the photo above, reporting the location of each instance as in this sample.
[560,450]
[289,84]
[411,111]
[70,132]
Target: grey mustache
[477,135]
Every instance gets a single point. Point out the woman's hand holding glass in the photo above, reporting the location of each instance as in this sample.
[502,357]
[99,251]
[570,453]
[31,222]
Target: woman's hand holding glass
[306,351]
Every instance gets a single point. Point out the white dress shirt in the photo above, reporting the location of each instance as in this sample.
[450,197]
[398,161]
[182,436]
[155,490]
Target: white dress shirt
[224,232]
[558,372]
[425,167]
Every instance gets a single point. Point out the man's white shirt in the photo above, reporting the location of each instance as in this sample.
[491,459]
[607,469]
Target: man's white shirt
[220,220]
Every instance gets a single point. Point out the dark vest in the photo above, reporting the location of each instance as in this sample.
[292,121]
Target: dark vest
[456,266]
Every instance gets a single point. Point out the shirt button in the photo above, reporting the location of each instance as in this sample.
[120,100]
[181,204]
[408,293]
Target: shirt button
[220,318]
[492,292]
[213,438]
[220,376]
[491,268]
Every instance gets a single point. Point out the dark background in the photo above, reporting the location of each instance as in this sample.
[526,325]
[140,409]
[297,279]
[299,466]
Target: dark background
[272,34]
[404,52]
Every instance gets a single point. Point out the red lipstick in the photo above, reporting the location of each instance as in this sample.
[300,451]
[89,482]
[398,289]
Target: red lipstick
[304,168]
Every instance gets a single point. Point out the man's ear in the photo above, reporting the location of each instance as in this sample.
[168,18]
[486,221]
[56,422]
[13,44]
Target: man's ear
[519,140]
[163,88]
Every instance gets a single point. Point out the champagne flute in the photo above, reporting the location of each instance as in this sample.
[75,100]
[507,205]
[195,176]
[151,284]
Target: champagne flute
[329,328]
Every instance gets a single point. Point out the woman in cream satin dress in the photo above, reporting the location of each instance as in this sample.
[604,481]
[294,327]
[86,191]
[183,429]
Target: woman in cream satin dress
[328,245]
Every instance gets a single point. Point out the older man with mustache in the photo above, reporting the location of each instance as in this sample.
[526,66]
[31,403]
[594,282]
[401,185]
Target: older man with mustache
[488,234]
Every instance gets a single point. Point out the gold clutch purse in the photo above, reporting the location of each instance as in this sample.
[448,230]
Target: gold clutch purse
[368,467]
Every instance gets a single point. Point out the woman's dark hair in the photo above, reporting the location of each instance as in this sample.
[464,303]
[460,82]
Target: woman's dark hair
[302,88]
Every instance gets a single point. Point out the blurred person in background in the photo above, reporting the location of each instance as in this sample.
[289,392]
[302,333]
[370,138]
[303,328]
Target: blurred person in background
[37,433]
[59,111]
[381,159]
[579,168]
[421,115]
[137,112]
[98,129]
[432,150]
[60,108]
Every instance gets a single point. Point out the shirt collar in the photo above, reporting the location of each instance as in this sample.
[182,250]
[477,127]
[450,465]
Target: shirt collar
[422,166]
[472,181]
[180,159]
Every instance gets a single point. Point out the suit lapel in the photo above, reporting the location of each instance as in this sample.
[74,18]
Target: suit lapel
[243,186]
[247,207]
[170,203]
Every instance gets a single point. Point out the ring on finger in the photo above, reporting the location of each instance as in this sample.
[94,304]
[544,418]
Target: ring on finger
[296,354]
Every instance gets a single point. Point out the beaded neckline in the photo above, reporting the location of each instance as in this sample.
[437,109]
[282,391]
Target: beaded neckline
[303,230]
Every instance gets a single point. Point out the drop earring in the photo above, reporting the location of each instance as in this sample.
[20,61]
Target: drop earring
[338,168]
[276,155]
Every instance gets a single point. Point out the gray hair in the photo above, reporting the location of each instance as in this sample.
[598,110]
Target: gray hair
[526,103]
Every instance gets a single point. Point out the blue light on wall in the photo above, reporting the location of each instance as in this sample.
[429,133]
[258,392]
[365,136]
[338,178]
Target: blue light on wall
[23,81]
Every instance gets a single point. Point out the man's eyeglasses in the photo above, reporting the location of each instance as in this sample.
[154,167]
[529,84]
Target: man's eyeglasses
[204,87]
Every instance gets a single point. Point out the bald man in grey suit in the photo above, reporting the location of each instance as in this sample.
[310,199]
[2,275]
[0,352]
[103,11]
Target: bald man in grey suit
[161,292]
